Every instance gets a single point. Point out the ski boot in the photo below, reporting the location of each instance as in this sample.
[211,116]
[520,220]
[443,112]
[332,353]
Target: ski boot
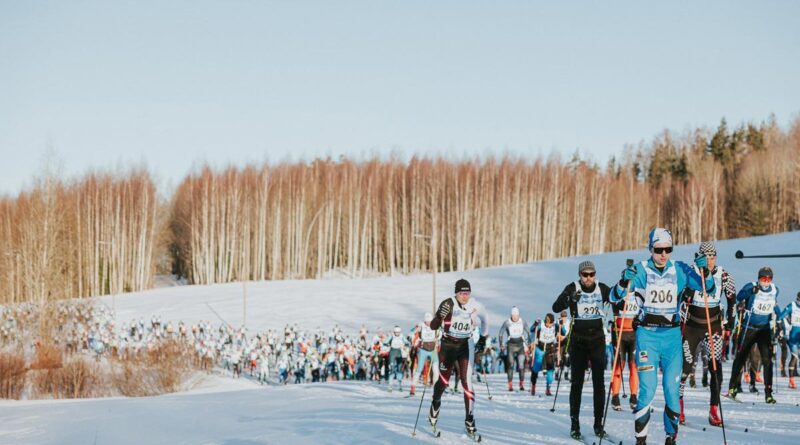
[746,377]
[753,389]
[615,404]
[522,385]
[682,417]
[533,389]
[692,382]
[705,380]
[672,439]
[599,431]
[732,393]
[472,431]
[547,391]
[510,387]
[641,440]
[411,392]
[768,397]
[575,429]
[792,384]
[433,413]
[758,377]
[634,402]
[713,416]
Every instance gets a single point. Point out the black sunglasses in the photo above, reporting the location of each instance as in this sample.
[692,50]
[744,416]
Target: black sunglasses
[587,274]
[660,250]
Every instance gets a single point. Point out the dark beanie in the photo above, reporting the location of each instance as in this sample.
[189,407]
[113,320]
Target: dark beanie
[462,285]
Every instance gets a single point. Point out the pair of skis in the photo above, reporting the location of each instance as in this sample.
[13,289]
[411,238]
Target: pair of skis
[475,437]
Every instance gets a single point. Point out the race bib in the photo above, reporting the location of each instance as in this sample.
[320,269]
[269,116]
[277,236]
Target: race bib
[515,330]
[589,308]
[547,335]
[661,298]
[631,307]
[460,323]
[764,304]
[428,334]
[795,320]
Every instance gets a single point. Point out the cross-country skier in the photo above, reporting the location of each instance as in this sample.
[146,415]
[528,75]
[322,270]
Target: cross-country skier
[695,329]
[585,299]
[458,316]
[658,283]
[545,353]
[426,350]
[625,313]
[791,315]
[760,303]
[513,338]
[396,342]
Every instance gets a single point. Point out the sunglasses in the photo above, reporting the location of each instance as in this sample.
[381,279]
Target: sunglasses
[660,250]
[765,279]
[587,274]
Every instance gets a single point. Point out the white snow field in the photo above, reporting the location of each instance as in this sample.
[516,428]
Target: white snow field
[227,412]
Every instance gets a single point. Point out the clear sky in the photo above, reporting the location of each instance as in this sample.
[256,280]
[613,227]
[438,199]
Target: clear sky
[173,83]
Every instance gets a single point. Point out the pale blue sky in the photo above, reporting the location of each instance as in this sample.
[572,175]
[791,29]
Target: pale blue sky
[173,83]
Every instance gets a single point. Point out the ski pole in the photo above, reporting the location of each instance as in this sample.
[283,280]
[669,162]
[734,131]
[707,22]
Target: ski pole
[424,388]
[563,362]
[483,371]
[713,354]
[629,263]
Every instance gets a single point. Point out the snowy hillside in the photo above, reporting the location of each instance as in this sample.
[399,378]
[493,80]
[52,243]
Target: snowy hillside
[227,412]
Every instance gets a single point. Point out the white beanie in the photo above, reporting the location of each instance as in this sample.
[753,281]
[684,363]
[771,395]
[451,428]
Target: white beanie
[514,311]
[428,317]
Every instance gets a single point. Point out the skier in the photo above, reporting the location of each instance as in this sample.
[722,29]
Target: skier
[545,353]
[760,299]
[585,299]
[695,330]
[792,314]
[395,343]
[625,314]
[513,338]
[458,316]
[426,349]
[658,284]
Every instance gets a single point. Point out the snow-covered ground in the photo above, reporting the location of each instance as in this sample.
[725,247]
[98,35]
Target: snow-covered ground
[227,412]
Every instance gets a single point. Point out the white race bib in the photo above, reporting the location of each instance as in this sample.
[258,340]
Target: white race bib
[428,334]
[515,329]
[764,304]
[547,335]
[460,323]
[795,320]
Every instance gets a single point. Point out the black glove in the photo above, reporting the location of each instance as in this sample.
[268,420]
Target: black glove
[444,311]
[755,289]
[480,345]
[575,296]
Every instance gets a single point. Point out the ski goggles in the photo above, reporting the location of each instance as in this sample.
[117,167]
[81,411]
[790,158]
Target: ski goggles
[765,279]
[660,250]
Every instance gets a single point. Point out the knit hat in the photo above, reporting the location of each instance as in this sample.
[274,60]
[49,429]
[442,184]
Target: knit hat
[514,311]
[765,271]
[659,235]
[707,248]
[462,285]
[586,265]
[428,317]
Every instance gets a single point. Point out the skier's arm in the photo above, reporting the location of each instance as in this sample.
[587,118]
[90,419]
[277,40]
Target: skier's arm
[745,292]
[605,291]
[445,308]
[693,280]
[526,334]
[501,336]
[563,300]
[483,317]
[639,281]
[729,290]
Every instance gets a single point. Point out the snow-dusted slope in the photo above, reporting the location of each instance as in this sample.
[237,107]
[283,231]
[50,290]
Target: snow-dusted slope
[237,413]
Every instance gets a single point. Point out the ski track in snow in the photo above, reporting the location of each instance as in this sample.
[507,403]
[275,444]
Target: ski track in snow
[221,411]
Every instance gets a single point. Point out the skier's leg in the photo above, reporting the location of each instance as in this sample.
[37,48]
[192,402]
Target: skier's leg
[579,358]
[764,342]
[692,336]
[465,360]
[716,377]
[630,357]
[671,363]
[740,358]
[647,359]
[598,362]
[521,365]
[509,363]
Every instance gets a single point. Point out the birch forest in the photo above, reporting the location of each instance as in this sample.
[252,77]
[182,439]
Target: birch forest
[108,233]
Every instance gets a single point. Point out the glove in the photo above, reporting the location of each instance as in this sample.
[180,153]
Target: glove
[627,275]
[575,296]
[443,312]
[755,289]
[480,345]
[701,261]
